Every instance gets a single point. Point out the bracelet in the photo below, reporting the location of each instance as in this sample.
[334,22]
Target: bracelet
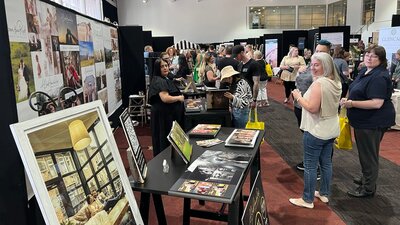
[351,103]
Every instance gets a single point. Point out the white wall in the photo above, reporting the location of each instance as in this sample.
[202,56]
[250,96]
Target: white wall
[200,21]
[204,21]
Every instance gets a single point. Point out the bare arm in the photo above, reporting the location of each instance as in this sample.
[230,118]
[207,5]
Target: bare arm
[374,103]
[166,98]
[210,76]
[313,104]
[256,80]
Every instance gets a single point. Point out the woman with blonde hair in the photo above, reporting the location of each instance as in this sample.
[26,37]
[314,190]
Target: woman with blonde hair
[290,65]
[320,123]
[208,70]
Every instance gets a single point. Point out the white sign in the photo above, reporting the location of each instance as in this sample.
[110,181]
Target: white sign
[335,38]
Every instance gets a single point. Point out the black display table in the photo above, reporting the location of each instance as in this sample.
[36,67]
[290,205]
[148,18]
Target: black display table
[158,183]
[222,117]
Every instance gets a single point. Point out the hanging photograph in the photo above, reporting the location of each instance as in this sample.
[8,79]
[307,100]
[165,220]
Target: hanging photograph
[70,69]
[84,29]
[21,64]
[67,28]
[16,21]
[48,18]
[74,167]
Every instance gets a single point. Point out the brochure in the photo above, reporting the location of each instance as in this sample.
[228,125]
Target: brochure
[242,138]
[205,130]
[209,142]
[180,141]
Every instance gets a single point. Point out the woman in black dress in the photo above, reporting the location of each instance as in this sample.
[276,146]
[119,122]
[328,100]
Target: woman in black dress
[166,105]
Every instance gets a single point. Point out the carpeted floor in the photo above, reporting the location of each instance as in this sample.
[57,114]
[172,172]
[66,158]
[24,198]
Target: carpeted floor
[279,155]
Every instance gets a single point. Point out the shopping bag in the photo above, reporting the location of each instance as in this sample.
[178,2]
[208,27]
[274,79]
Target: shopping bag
[344,140]
[254,124]
[268,70]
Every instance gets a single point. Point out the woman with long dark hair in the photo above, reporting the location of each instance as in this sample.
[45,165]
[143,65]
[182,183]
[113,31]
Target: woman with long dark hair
[166,105]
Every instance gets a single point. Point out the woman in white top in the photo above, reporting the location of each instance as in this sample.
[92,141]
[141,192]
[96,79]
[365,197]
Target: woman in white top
[320,122]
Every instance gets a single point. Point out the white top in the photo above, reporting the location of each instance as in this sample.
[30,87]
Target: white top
[324,128]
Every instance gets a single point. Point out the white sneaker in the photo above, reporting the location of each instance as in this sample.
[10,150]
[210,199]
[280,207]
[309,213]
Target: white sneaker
[300,202]
[323,199]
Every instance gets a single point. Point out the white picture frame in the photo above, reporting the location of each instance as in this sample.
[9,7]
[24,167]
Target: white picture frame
[48,136]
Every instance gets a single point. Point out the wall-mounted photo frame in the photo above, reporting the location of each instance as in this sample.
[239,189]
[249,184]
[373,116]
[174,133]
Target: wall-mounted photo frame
[73,164]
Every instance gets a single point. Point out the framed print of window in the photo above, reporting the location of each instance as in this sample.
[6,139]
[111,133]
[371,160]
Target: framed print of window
[67,182]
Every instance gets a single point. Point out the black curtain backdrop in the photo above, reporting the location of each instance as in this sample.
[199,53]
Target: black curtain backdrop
[110,11]
[132,61]
[13,197]
[147,38]
[395,20]
[292,37]
[310,41]
[238,41]
[334,29]
[160,44]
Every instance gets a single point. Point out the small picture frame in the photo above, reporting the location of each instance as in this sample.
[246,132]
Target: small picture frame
[74,167]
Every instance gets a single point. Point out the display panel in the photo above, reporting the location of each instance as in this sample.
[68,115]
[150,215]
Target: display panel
[271,52]
[53,48]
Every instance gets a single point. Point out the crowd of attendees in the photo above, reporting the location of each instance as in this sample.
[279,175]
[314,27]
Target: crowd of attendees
[318,84]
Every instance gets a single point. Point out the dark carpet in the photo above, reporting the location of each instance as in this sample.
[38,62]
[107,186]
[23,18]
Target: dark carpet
[283,135]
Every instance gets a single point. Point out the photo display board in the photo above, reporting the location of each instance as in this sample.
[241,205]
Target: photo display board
[52,48]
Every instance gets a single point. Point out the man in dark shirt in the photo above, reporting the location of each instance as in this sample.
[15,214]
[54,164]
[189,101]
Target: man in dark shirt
[228,60]
[248,69]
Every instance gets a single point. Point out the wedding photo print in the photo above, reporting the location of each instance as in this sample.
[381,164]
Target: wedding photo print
[75,169]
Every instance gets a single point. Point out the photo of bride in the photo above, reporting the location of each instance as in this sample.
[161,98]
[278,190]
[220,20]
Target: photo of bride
[22,86]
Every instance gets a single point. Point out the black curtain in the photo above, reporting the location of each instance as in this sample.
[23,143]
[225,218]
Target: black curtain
[13,197]
[110,11]
[132,61]
[160,44]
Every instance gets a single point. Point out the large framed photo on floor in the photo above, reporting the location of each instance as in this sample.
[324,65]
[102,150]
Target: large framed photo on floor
[74,167]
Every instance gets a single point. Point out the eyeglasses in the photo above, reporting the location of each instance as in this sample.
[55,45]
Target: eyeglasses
[371,56]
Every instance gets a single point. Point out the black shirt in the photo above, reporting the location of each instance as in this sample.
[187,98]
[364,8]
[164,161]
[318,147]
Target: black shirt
[248,71]
[227,61]
[375,84]
[261,68]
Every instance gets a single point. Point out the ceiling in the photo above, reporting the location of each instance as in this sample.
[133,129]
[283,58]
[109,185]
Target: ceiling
[57,136]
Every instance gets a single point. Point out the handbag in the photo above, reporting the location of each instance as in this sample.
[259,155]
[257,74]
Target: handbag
[268,70]
[343,141]
[254,125]
[290,69]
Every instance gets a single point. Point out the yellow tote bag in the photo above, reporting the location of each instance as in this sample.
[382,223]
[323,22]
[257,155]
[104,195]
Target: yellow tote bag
[268,70]
[254,125]
[344,140]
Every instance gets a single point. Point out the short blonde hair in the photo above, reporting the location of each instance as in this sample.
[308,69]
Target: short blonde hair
[257,55]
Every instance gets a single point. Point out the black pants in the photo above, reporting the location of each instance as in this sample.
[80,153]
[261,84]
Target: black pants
[289,87]
[368,142]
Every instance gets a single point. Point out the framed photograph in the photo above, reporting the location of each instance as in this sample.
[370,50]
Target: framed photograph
[74,167]
[242,138]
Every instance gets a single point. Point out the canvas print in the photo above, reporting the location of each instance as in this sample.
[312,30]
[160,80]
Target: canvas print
[21,63]
[70,69]
[48,20]
[75,169]
[67,27]
[84,29]
[86,53]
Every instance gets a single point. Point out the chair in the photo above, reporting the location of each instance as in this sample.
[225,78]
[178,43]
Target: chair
[137,107]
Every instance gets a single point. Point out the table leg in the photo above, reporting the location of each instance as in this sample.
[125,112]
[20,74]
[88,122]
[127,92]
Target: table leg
[234,213]
[158,204]
[255,167]
[144,207]
[186,211]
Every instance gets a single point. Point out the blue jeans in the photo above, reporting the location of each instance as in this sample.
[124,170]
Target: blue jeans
[240,117]
[316,151]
